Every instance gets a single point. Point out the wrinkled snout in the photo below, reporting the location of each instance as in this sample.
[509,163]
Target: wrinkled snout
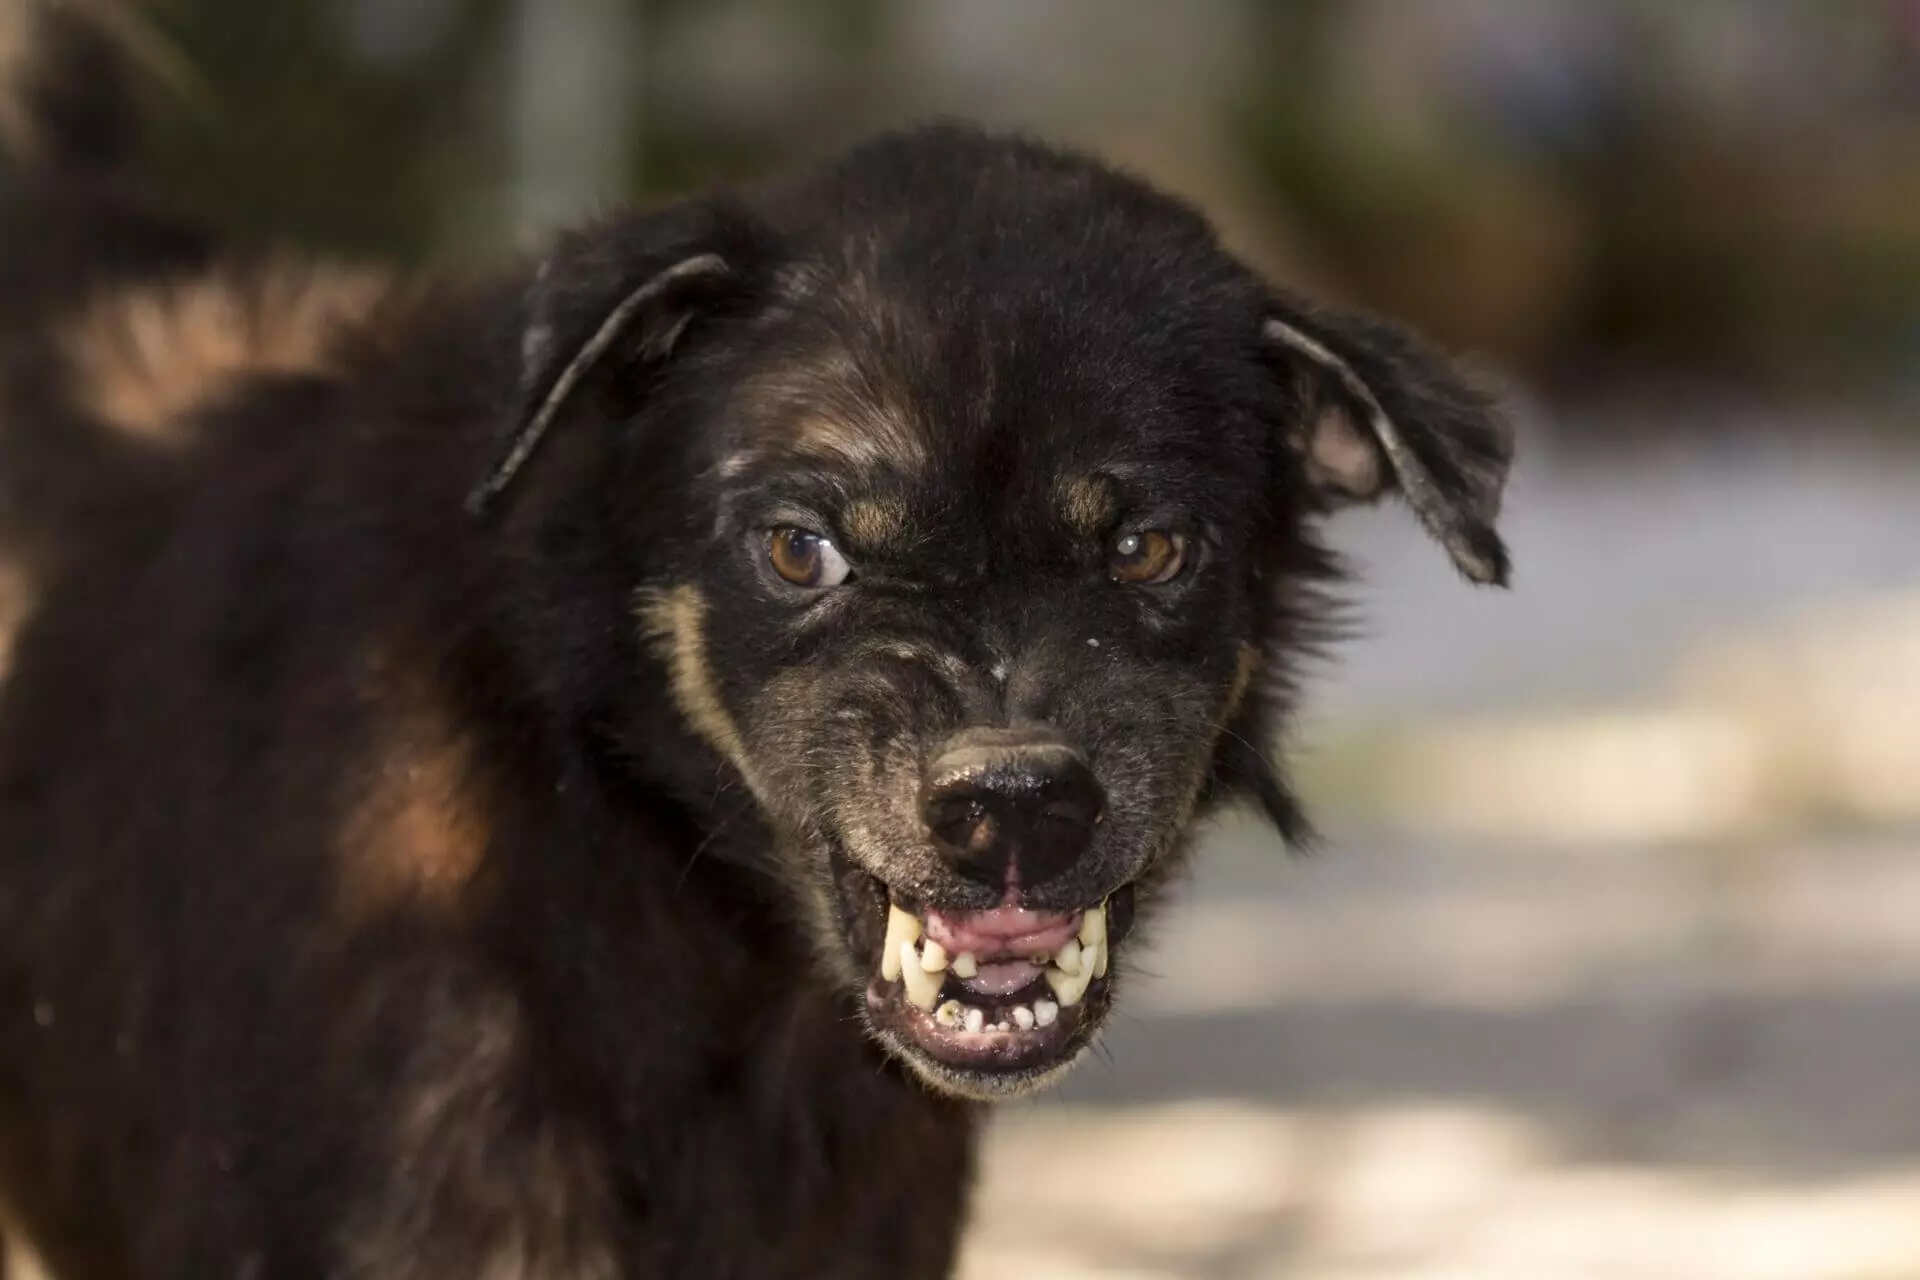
[1011,806]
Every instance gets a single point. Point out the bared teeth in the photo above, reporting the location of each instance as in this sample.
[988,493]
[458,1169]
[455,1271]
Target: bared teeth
[1080,961]
[1069,988]
[923,988]
[918,963]
[1093,927]
[903,929]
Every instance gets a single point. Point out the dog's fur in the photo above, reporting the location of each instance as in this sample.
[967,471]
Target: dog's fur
[389,890]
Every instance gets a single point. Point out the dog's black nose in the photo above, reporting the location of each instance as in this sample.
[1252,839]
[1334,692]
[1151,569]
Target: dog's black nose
[1019,802]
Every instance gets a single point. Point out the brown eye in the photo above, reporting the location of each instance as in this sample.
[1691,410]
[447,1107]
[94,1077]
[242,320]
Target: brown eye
[805,559]
[1147,557]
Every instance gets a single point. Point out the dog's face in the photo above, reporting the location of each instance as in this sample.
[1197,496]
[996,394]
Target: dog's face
[995,552]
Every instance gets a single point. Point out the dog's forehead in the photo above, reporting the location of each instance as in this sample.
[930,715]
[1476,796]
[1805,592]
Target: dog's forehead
[891,400]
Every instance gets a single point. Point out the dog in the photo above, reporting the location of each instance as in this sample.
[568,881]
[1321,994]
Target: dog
[601,768]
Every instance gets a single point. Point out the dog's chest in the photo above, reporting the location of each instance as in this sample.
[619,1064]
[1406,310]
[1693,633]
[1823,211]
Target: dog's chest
[803,1152]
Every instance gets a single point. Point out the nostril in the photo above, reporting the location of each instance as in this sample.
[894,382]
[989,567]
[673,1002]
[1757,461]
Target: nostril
[963,823]
[1012,810]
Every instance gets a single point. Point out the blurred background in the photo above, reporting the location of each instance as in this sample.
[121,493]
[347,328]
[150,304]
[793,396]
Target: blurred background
[1612,965]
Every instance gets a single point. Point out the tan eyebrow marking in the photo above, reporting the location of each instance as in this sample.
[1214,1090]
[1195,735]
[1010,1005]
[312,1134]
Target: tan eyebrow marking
[876,523]
[1086,503]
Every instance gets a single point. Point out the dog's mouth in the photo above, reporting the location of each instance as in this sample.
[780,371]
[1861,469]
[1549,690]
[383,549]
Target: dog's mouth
[992,1002]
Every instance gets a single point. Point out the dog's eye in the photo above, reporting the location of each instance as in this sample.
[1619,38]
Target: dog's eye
[1148,557]
[805,559]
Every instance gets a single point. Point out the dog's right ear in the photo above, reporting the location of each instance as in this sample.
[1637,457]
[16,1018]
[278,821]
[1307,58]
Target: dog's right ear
[618,294]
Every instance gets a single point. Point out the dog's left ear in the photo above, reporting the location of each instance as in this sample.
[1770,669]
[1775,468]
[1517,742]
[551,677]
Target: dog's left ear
[618,296]
[1382,412]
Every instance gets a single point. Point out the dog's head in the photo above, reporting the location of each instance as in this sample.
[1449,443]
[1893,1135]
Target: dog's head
[966,494]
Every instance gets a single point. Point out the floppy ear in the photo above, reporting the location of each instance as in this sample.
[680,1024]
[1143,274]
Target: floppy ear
[1383,412]
[622,295]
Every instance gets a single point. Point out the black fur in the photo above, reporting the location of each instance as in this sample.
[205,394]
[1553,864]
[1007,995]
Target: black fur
[388,892]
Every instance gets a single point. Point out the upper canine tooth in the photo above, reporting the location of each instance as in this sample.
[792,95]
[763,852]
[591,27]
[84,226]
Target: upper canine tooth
[1093,926]
[1068,957]
[1070,987]
[933,956]
[965,966]
[902,927]
[923,988]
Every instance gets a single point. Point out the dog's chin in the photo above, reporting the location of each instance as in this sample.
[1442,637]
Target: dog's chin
[986,1005]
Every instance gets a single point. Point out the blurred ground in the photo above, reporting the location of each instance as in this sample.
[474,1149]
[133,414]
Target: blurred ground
[1495,1046]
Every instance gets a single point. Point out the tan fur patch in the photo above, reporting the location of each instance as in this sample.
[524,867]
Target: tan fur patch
[834,407]
[1086,503]
[144,358]
[16,606]
[1244,671]
[874,524]
[15,38]
[869,436]
[18,1258]
[475,1189]
[418,835]
[674,621]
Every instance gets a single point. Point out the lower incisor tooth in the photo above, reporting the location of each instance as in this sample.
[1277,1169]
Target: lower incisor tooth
[1023,1017]
[923,988]
[1045,1012]
[976,1020]
[950,1014]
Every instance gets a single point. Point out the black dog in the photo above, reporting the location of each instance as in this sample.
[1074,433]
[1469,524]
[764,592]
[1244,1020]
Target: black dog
[593,773]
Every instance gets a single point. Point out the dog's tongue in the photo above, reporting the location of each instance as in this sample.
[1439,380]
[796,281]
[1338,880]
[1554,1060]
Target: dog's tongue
[1004,940]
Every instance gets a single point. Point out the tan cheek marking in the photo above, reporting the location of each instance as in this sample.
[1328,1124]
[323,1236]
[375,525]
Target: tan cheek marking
[1086,504]
[143,358]
[674,621]
[17,598]
[418,835]
[1245,669]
